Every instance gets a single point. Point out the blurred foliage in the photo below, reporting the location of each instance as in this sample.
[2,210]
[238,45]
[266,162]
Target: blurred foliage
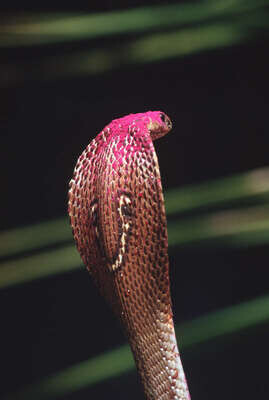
[34,29]
[154,33]
[217,219]
[120,360]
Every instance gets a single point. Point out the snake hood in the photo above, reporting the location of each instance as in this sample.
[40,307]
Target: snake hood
[117,214]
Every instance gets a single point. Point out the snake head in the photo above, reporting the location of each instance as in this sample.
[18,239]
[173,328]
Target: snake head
[159,124]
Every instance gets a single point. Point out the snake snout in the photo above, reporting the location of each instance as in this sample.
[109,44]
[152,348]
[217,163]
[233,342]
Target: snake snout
[166,120]
[159,125]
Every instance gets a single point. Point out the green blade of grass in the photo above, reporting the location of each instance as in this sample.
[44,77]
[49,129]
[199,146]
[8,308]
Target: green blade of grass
[235,188]
[223,322]
[236,228]
[119,361]
[150,48]
[56,28]
[41,265]
[36,236]
[84,374]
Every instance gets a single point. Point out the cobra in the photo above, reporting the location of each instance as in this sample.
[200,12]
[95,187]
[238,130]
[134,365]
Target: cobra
[117,214]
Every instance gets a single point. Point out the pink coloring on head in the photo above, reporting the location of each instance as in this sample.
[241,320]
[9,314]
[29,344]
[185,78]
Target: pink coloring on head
[155,122]
[132,133]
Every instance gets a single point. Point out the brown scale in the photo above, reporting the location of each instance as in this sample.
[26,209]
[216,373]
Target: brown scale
[117,214]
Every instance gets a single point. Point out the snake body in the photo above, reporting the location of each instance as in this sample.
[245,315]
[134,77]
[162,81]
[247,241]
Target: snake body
[117,214]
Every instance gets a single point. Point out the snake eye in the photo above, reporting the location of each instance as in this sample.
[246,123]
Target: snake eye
[162,116]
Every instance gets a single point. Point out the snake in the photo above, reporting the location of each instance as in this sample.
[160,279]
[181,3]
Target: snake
[117,214]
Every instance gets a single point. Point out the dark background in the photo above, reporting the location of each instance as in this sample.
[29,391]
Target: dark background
[218,102]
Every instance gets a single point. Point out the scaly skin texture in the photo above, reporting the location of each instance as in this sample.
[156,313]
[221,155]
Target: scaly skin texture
[117,213]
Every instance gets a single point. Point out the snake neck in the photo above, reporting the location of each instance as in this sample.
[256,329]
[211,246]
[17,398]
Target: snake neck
[146,316]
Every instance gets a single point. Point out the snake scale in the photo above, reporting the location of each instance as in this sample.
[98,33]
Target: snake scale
[117,214]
